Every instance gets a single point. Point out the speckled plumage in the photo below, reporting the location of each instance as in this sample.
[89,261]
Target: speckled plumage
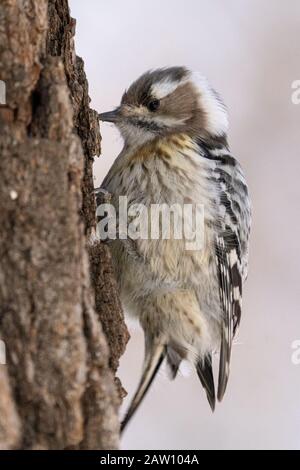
[188,302]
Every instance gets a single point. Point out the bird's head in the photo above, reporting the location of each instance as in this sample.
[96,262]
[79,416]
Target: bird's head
[169,101]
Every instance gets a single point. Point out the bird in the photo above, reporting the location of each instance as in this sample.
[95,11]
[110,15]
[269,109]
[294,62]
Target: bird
[174,127]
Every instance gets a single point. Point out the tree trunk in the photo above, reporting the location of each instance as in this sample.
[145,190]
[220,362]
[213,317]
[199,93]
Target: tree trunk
[58,388]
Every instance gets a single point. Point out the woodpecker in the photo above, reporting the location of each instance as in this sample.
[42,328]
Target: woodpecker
[188,302]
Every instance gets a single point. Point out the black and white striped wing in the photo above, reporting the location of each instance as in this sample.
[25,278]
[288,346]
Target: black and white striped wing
[231,248]
[230,289]
[231,242]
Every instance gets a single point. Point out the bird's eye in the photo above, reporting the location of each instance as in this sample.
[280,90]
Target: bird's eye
[153,105]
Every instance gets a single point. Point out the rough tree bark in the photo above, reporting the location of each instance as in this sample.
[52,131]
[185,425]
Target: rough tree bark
[58,388]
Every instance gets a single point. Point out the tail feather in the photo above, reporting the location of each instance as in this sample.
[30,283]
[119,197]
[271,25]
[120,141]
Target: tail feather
[173,360]
[153,361]
[225,353]
[205,374]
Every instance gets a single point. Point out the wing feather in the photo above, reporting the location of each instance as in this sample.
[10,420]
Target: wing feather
[230,291]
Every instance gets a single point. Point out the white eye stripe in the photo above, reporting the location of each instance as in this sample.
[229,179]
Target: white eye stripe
[217,118]
[168,121]
[164,88]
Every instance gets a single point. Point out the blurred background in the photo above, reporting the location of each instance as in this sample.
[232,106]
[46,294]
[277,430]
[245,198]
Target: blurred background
[250,52]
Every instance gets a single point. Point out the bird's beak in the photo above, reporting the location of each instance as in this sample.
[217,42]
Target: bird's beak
[110,116]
